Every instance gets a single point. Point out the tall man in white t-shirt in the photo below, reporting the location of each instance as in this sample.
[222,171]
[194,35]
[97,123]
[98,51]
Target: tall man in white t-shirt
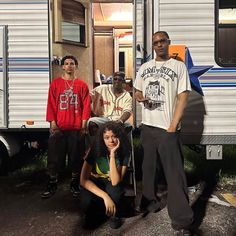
[162,86]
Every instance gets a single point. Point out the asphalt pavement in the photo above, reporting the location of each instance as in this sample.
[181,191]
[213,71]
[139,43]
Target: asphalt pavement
[23,212]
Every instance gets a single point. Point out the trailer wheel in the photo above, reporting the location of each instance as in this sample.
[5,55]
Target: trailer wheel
[4,158]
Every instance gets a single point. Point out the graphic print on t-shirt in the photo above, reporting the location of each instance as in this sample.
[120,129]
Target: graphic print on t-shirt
[66,100]
[155,90]
[155,94]
[102,167]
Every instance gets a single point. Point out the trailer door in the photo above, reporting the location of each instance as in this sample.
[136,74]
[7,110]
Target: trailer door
[3,76]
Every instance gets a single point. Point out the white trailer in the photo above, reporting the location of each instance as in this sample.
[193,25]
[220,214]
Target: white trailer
[24,72]
[28,45]
[208,29]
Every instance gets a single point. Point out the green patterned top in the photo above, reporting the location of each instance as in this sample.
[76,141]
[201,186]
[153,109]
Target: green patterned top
[101,165]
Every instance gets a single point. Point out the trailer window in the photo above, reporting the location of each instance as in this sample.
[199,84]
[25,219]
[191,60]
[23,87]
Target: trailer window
[225,32]
[70,21]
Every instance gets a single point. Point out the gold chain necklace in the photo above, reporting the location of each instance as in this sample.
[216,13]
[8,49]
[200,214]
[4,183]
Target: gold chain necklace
[69,88]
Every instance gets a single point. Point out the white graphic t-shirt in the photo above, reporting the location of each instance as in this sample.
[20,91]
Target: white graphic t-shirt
[161,82]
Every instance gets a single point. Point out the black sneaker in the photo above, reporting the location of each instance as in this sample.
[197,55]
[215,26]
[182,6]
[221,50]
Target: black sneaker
[115,222]
[74,187]
[147,206]
[183,232]
[140,210]
[50,189]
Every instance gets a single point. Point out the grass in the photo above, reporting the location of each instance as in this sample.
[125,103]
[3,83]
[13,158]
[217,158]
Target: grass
[224,169]
[38,163]
[197,166]
[27,163]
[195,163]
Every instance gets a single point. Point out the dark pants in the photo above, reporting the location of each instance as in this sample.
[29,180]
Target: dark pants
[62,143]
[94,205]
[166,148]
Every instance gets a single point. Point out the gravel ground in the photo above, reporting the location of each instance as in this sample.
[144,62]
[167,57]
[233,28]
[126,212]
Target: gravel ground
[23,212]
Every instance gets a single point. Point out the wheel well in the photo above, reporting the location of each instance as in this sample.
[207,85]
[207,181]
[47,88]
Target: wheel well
[11,143]
[3,149]
[4,157]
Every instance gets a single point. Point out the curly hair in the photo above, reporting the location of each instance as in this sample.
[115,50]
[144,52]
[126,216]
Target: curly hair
[99,148]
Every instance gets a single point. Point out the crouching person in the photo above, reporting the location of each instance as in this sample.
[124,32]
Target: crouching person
[101,177]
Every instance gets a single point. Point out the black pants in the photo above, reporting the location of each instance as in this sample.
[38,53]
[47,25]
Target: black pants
[166,148]
[94,205]
[62,143]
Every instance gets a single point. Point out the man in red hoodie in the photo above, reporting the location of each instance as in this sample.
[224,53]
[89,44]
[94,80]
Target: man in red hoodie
[68,110]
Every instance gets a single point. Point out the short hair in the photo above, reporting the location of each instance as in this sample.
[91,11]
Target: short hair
[161,32]
[120,74]
[69,57]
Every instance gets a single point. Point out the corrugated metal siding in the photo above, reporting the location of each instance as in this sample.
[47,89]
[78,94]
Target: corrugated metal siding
[27,98]
[213,114]
[28,55]
[190,23]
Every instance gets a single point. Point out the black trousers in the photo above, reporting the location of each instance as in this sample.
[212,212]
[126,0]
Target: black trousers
[93,205]
[166,149]
[62,143]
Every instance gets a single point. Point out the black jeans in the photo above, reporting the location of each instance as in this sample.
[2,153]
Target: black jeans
[62,143]
[94,205]
[159,145]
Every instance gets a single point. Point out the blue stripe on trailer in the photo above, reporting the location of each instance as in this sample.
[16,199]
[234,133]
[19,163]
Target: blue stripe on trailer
[219,77]
[223,69]
[217,86]
[28,64]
